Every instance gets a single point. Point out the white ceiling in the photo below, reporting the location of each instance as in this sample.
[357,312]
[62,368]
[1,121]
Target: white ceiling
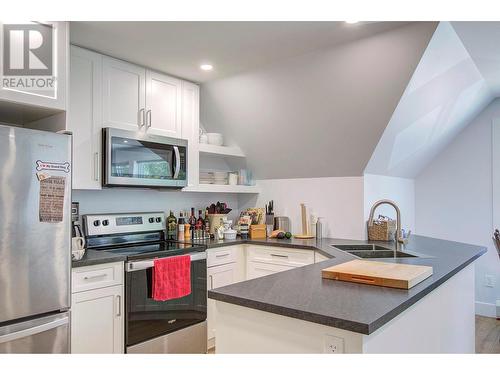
[178,48]
[446,91]
[455,80]
[482,41]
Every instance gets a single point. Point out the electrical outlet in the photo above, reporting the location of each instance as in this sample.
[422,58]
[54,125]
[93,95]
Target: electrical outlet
[489,281]
[333,344]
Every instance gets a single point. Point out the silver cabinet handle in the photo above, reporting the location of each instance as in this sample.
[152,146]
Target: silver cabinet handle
[119,303]
[96,166]
[279,255]
[94,276]
[211,282]
[177,162]
[221,255]
[148,119]
[141,119]
[33,330]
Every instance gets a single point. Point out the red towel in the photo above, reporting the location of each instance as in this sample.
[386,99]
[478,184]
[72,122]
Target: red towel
[171,277]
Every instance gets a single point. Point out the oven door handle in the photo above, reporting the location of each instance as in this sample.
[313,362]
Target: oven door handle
[145,264]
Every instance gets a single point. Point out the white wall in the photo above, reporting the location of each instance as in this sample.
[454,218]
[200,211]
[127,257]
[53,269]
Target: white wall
[140,200]
[454,199]
[339,200]
[399,190]
[320,114]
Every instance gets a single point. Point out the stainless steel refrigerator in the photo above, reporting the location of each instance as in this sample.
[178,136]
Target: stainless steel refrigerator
[35,253]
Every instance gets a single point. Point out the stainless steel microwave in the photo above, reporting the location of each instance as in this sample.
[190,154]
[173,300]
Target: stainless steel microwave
[138,159]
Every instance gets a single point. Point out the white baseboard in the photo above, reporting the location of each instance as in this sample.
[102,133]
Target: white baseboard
[486,309]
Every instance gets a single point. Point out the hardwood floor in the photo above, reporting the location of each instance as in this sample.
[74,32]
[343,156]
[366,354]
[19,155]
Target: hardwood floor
[487,335]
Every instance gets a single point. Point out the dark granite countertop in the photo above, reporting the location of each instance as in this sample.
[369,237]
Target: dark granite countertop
[93,257]
[301,293]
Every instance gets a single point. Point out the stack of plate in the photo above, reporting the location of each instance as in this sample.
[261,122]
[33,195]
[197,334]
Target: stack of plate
[217,178]
[221,178]
[206,177]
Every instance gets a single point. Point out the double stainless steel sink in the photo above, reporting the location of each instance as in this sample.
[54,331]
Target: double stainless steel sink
[373,251]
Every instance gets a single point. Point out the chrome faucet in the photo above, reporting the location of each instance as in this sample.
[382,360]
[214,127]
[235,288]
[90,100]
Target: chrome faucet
[399,234]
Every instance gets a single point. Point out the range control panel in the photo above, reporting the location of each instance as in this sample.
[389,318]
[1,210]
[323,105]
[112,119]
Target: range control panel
[105,224]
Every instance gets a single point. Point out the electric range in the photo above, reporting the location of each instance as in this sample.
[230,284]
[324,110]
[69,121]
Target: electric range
[173,326]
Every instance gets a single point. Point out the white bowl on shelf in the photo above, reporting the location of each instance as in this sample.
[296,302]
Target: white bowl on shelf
[215,139]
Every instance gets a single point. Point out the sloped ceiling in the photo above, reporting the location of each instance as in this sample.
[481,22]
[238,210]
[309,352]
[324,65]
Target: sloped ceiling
[482,41]
[319,114]
[445,93]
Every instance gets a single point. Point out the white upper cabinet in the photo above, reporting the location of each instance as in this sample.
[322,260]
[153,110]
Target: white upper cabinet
[106,92]
[123,95]
[191,128]
[163,105]
[84,117]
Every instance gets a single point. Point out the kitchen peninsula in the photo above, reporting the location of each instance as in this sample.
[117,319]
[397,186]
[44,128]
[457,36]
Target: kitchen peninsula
[299,312]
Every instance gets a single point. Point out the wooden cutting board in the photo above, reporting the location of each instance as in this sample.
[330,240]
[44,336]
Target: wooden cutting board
[393,275]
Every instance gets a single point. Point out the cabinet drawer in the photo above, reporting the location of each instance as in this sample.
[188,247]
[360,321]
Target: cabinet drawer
[218,256]
[277,255]
[258,269]
[98,276]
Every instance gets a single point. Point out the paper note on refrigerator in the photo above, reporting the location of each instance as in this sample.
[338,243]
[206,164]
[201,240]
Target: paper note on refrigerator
[51,207]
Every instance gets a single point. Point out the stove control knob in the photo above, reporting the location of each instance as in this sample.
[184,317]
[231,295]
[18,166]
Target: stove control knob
[151,220]
[158,219]
[105,222]
[97,223]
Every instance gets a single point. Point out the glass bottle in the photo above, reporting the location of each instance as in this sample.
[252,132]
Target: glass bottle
[192,223]
[180,227]
[207,225]
[171,226]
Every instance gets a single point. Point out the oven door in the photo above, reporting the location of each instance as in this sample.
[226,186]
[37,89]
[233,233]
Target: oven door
[140,159]
[147,318]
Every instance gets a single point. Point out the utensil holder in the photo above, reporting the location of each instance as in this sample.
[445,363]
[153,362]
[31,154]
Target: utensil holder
[214,222]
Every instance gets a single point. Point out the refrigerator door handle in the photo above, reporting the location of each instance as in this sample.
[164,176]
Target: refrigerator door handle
[33,330]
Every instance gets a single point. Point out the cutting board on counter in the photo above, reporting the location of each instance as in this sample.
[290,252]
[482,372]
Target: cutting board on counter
[393,275]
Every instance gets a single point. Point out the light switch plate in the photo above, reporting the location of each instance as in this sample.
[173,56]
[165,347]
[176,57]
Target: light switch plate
[333,344]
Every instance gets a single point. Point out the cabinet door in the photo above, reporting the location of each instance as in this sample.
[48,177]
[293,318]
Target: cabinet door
[218,276]
[190,125]
[84,117]
[123,95]
[97,323]
[163,105]
[256,269]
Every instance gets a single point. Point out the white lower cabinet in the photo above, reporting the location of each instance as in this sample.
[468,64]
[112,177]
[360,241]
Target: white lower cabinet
[257,269]
[266,260]
[217,277]
[232,264]
[97,315]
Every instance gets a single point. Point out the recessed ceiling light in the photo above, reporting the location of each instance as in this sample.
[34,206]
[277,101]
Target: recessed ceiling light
[206,67]
[351,21]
